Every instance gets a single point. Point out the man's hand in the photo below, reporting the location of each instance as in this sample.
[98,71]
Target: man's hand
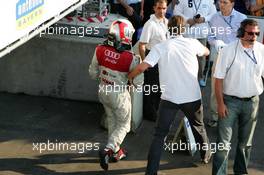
[129,11]
[222,111]
[130,80]
[137,70]
[221,107]
[199,20]
[191,21]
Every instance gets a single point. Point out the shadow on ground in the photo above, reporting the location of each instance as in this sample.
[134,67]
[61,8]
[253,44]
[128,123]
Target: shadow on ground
[25,120]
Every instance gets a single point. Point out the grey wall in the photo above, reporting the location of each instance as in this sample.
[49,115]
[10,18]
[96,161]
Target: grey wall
[55,66]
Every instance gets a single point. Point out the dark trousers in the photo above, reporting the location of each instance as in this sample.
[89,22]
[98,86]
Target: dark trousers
[167,112]
[134,19]
[151,99]
[244,113]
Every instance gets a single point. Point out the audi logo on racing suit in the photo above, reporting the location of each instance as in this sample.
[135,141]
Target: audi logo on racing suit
[112,54]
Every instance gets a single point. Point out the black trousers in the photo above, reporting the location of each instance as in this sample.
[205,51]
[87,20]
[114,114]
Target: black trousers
[167,112]
[151,99]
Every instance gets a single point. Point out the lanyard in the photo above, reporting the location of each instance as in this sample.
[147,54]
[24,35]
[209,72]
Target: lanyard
[228,22]
[252,58]
[197,7]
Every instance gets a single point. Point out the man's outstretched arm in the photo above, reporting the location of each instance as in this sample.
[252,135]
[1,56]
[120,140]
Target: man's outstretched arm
[138,70]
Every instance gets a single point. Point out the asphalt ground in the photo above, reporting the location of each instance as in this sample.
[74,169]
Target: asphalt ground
[31,129]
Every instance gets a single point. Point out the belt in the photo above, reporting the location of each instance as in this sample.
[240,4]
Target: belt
[242,99]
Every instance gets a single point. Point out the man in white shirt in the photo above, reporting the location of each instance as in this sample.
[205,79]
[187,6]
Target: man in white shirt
[154,31]
[178,68]
[224,25]
[197,13]
[238,85]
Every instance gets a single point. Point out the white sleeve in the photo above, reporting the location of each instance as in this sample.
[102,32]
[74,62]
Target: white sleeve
[146,33]
[263,72]
[262,54]
[94,67]
[221,65]
[219,44]
[153,56]
[199,47]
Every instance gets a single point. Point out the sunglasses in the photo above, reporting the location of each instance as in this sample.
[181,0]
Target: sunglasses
[253,33]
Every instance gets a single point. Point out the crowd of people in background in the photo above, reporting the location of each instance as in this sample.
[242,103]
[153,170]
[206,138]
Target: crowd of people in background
[174,53]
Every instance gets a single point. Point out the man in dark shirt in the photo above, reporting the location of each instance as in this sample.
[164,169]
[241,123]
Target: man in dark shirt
[240,5]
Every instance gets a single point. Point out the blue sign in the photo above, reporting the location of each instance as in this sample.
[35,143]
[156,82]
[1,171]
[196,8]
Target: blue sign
[25,7]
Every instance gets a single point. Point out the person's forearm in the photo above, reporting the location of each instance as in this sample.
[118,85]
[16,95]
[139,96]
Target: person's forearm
[142,5]
[138,70]
[125,5]
[219,91]
[142,50]
[255,8]
[134,73]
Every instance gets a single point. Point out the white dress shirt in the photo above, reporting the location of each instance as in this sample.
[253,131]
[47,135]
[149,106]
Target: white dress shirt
[154,31]
[178,68]
[224,28]
[243,77]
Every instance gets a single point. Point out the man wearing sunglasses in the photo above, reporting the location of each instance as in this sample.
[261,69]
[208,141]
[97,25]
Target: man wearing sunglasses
[238,85]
